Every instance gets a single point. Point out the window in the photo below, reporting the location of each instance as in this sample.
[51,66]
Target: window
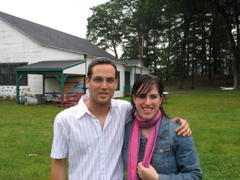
[8,75]
[118,75]
[137,76]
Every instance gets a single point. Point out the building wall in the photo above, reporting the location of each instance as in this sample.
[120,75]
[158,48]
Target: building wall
[137,70]
[120,92]
[145,71]
[17,47]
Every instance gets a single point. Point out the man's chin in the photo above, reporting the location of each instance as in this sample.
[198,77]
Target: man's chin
[103,101]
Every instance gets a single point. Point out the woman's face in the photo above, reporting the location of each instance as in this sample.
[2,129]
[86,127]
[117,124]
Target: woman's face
[148,104]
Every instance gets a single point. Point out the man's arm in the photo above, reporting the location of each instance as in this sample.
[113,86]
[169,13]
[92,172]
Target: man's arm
[184,129]
[58,171]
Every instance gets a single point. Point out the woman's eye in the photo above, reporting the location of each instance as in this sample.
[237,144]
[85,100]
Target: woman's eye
[154,97]
[141,96]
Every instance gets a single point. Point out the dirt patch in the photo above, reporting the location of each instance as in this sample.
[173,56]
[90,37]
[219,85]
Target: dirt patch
[201,82]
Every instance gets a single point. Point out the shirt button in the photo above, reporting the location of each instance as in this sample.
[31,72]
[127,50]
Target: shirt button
[161,151]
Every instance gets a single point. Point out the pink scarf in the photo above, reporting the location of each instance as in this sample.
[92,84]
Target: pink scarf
[134,143]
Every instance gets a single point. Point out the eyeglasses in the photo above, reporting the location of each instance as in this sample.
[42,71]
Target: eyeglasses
[99,80]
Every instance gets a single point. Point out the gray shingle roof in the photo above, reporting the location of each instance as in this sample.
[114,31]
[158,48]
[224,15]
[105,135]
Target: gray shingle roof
[54,38]
[131,62]
[60,65]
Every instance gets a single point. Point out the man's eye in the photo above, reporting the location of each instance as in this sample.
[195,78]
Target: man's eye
[110,80]
[98,80]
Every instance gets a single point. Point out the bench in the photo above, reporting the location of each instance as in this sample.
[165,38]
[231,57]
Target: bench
[165,98]
[68,100]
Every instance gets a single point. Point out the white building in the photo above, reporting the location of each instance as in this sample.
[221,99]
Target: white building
[36,59]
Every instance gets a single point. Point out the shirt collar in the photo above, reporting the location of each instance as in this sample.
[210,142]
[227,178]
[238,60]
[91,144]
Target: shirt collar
[81,106]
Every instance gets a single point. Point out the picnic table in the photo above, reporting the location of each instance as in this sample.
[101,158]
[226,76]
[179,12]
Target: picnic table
[165,98]
[68,100]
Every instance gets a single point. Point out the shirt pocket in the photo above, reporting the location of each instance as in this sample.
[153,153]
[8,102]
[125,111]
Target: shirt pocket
[82,147]
[160,159]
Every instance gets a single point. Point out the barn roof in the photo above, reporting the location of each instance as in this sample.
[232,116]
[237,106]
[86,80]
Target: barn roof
[49,66]
[53,38]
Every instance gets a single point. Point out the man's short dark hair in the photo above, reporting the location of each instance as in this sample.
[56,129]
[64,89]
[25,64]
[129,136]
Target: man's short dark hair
[100,60]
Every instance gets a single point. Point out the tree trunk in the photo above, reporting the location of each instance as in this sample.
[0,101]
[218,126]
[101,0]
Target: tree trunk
[193,74]
[234,47]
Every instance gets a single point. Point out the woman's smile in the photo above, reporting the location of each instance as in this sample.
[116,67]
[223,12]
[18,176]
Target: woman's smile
[148,104]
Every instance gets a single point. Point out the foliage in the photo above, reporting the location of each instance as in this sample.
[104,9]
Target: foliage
[105,26]
[175,38]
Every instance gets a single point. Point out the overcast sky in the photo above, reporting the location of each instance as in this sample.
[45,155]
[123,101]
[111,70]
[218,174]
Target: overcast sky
[68,16]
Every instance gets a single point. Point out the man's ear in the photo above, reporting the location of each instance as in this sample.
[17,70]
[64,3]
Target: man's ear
[87,82]
[116,83]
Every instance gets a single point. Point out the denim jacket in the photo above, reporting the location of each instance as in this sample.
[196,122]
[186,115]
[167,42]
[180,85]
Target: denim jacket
[174,157]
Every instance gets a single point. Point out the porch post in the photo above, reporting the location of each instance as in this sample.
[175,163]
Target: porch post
[62,79]
[43,85]
[18,79]
[17,89]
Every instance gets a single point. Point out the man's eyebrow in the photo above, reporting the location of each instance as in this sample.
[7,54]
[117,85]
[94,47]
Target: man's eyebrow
[103,77]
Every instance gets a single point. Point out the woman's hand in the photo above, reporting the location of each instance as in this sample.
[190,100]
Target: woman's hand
[147,173]
[184,129]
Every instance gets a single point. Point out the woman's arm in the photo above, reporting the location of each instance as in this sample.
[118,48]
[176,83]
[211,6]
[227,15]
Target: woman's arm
[187,160]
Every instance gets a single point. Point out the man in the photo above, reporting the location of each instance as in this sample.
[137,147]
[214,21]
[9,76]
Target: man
[90,134]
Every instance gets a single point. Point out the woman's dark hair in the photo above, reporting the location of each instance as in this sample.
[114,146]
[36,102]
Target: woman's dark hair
[143,85]
[100,60]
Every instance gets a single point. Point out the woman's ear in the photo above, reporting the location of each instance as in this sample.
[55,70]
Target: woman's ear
[133,98]
[161,98]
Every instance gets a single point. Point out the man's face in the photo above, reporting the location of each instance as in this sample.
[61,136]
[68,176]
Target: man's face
[102,84]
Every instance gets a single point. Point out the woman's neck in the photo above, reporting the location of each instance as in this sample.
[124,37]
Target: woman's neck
[146,131]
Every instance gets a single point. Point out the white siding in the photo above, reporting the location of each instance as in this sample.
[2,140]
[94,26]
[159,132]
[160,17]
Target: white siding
[79,69]
[17,47]
[120,92]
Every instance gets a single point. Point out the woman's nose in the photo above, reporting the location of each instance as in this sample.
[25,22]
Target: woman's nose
[147,100]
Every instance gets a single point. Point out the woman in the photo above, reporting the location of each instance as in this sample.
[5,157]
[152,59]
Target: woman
[152,150]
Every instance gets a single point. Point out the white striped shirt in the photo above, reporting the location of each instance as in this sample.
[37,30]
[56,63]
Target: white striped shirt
[93,153]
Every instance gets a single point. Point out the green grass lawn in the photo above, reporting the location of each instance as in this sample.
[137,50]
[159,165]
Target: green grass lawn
[25,141]
[215,120]
[26,134]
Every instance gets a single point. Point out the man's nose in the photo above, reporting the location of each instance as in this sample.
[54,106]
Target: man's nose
[104,84]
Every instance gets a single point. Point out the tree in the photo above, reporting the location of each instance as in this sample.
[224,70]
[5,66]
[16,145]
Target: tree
[230,12]
[105,26]
[176,38]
